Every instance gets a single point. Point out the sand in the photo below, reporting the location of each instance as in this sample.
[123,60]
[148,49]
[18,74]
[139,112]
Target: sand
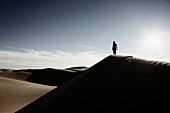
[19,88]
[15,94]
[117,84]
[20,75]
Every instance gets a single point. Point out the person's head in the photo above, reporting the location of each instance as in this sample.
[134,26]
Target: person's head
[113,41]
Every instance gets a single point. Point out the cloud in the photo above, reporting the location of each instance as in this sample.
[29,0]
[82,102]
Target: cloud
[27,59]
[92,48]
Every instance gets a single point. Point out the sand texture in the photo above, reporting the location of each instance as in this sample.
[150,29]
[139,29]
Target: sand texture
[15,94]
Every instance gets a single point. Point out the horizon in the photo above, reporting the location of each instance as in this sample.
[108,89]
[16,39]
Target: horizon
[67,33]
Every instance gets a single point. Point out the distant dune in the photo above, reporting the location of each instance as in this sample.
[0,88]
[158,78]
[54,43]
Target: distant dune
[54,77]
[15,94]
[49,76]
[117,84]
[20,75]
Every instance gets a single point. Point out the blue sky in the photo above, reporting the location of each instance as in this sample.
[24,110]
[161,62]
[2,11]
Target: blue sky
[83,29]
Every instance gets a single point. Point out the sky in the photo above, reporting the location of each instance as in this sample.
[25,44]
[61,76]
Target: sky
[67,33]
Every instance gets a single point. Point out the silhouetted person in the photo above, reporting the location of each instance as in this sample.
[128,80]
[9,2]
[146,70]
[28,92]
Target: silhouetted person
[114,48]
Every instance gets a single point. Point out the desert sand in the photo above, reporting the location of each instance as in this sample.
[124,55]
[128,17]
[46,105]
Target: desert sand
[19,75]
[15,94]
[19,88]
[117,84]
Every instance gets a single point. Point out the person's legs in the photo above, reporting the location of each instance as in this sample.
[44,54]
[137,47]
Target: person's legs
[114,51]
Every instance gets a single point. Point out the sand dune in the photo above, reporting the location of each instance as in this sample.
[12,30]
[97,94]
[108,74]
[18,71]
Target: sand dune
[15,94]
[48,76]
[117,84]
[54,77]
[77,69]
[19,75]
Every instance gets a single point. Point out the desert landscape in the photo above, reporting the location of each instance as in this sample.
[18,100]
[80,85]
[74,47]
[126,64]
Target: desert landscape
[84,56]
[117,84]
[21,87]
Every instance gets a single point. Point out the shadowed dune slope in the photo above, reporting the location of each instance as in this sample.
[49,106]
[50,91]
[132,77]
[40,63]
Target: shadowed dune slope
[117,84]
[54,77]
[15,94]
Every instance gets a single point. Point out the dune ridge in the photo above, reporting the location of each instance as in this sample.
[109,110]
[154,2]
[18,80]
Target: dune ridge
[116,84]
[54,77]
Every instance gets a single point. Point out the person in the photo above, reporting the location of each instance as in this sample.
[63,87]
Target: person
[114,47]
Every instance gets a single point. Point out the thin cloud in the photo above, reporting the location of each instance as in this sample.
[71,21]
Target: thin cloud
[92,48]
[12,59]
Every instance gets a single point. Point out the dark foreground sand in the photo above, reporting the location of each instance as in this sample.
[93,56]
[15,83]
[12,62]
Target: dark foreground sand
[117,84]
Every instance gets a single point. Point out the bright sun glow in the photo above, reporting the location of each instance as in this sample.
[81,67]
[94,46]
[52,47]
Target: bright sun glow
[153,40]
[154,43]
